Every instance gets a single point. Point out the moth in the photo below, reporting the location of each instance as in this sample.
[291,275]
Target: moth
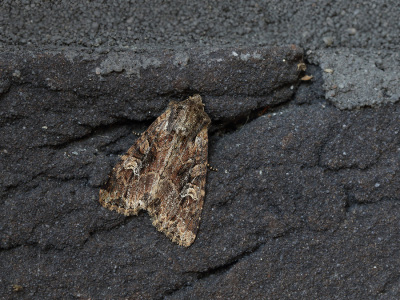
[164,172]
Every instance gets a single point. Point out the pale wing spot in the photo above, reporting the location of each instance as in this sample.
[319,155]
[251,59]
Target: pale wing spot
[144,147]
[133,164]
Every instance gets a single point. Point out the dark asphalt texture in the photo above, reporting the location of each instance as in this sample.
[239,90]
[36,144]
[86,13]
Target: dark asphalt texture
[305,203]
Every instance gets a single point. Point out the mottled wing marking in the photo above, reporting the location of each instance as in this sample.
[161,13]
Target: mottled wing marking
[164,172]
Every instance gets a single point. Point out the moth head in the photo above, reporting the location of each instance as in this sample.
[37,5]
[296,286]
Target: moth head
[196,100]
[189,116]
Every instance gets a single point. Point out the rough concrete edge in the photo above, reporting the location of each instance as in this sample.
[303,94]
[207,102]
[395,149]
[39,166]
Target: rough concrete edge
[355,78]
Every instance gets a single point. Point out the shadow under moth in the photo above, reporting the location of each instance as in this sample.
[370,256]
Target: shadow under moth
[164,172]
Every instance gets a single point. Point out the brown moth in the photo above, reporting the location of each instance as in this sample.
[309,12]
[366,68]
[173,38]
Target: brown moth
[164,172]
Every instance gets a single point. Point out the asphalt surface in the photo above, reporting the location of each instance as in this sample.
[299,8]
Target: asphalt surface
[306,200]
[347,37]
[309,24]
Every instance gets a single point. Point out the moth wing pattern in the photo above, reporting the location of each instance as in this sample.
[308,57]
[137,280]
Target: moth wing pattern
[164,172]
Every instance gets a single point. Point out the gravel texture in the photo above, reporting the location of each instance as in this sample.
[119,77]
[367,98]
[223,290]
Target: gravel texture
[310,24]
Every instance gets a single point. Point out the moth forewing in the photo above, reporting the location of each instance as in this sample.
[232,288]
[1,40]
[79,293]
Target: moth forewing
[164,172]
